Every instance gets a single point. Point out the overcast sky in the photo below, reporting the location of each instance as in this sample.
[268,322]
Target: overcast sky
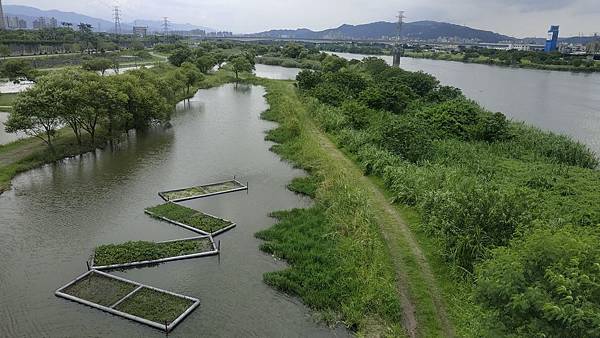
[518,18]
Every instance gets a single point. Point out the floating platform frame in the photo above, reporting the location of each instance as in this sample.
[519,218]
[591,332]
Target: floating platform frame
[191,228]
[240,186]
[111,309]
[214,251]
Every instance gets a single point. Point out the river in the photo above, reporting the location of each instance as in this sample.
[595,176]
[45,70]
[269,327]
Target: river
[54,216]
[563,102]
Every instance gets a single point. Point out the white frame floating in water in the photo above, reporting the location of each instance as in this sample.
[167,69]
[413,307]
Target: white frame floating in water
[110,309]
[214,251]
[242,187]
[191,228]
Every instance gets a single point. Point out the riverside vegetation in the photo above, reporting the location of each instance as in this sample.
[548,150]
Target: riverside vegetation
[511,208]
[508,213]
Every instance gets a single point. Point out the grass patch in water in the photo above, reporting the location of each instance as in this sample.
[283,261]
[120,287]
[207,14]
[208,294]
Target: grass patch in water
[154,305]
[140,251]
[99,289]
[187,216]
[304,185]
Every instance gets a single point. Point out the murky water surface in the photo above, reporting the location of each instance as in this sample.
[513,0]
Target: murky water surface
[54,216]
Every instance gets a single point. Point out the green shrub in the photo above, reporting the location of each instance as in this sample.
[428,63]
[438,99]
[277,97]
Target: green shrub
[406,136]
[546,284]
[472,218]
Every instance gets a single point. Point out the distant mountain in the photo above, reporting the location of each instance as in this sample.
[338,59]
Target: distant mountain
[31,13]
[423,30]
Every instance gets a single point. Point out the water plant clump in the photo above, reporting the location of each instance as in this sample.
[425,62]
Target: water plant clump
[190,217]
[141,251]
[100,289]
[154,305]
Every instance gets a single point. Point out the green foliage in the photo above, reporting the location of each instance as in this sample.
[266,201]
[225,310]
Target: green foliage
[242,63]
[141,251]
[338,262]
[305,185]
[159,307]
[308,79]
[180,55]
[482,184]
[546,284]
[406,136]
[18,69]
[333,63]
[97,65]
[191,217]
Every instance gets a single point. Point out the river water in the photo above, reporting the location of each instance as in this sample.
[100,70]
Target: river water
[563,102]
[276,72]
[54,216]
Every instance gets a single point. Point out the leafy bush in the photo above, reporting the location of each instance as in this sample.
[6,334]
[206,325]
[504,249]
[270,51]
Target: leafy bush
[472,218]
[406,136]
[546,284]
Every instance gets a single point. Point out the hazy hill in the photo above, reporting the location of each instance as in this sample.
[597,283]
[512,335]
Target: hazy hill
[31,13]
[425,30]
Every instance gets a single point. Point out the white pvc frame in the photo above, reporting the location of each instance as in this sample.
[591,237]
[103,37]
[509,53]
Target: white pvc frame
[191,228]
[214,251]
[162,194]
[111,309]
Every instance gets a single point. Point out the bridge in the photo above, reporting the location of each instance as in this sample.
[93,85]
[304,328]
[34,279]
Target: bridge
[250,38]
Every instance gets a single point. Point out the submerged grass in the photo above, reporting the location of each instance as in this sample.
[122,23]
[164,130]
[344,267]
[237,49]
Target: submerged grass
[189,217]
[154,305]
[140,251]
[99,289]
[339,262]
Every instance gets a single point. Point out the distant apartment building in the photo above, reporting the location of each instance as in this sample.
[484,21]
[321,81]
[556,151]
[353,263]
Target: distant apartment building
[43,22]
[14,22]
[219,34]
[140,31]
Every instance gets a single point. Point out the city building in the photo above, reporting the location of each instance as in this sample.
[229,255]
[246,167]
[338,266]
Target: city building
[14,22]
[44,22]
[552,41]
[140,31]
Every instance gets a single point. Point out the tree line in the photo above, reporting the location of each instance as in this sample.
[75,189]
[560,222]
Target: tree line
[87,102]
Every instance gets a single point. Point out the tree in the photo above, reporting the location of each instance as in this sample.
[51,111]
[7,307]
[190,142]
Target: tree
[18,69]
[240,64]
[144,102]
[205,63]
[220,57]
[191,75]
[292,50]
[4,50]
[36,112]
[333,63]
[98,65]
[180,55]
[137,45]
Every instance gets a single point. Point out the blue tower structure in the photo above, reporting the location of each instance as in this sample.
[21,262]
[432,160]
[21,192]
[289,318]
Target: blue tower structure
[552,41]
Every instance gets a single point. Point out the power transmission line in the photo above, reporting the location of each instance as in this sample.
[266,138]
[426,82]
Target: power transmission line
[165,26]
[117,18]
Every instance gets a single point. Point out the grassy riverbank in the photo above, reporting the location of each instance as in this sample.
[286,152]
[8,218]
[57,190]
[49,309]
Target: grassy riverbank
[353,256]
[339,262]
